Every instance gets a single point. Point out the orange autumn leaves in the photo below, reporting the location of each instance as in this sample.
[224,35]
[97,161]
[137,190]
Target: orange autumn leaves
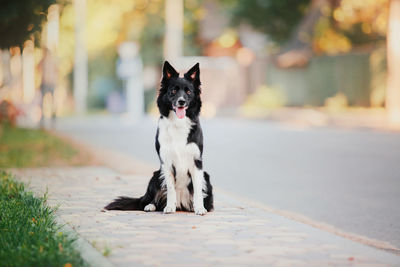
[351,23]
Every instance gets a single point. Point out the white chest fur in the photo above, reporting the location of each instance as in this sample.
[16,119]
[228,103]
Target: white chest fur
[176,153]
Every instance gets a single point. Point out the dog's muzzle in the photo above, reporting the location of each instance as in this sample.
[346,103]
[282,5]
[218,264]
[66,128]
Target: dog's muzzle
[180,108]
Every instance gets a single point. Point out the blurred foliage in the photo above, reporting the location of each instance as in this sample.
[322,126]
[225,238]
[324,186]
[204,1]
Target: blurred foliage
[260,103]
[328,40]
[265,98]
[336,103]
[111,22]
[277,19]
[362,21]
[8,112]
[343,24]
[348,24]
[19,20]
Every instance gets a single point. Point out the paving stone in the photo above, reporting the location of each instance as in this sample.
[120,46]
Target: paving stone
[235,234]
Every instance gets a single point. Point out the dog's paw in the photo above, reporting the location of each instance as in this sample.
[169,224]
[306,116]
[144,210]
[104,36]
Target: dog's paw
[169,209]
[150,207]
[200,211]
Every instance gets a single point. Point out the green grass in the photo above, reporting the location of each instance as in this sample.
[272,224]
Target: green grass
[35,148]
[29,235]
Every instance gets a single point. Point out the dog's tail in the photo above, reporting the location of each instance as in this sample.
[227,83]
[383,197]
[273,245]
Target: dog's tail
[128,203]
[125,203]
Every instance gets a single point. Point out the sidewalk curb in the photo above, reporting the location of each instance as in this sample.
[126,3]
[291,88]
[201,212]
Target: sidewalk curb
[299,218]
[89,254]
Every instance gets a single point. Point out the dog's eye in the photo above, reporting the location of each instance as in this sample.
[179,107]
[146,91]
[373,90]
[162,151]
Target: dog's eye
[176,88]
[188,92]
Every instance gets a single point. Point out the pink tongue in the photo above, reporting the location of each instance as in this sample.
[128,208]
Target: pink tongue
[180,112]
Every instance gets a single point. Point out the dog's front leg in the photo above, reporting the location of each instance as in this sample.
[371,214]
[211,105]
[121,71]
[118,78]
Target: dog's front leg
[198,200]
[171,193]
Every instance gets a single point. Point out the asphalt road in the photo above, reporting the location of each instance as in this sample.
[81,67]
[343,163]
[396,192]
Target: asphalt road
[346,178]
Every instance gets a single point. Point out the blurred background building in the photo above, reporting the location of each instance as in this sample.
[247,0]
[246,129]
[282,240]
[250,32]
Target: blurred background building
[257,58]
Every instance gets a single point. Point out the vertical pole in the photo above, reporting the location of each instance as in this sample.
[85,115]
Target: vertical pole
[173,42]
[393,61]
[28,72]
[81,58]
[52,40]
[53,25]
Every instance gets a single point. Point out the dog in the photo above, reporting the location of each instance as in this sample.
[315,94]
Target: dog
[180,183]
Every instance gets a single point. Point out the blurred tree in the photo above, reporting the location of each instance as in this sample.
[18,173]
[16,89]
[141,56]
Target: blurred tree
[327,26]
[275,18]
[19,20]
[348,24]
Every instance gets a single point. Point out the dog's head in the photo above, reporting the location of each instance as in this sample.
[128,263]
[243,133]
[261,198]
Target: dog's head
[181,95]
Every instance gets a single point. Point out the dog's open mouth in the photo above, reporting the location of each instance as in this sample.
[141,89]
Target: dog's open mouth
[180,112]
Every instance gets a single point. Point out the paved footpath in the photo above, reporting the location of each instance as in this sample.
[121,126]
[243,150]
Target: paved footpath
[235,234]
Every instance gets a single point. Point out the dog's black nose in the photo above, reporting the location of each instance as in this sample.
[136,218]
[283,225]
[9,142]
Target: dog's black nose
[181,102]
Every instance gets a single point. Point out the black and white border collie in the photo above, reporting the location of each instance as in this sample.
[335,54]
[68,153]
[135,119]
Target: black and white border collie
[180,183]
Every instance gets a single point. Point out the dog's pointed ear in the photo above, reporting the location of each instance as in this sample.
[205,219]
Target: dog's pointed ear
[169,71]
[193,74]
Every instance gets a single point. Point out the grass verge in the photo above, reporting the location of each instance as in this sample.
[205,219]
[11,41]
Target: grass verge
[36,148]
[29,235]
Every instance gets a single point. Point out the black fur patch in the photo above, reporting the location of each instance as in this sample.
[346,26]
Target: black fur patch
[174,171]
[198,163]
[196,135]
[190,185]
[124,203]
[158,145]
[209,200]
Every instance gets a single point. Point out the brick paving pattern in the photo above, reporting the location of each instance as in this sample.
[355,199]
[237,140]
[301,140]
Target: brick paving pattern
[235,234]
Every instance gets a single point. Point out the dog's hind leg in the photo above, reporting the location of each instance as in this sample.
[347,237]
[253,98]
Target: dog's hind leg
[148,200]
